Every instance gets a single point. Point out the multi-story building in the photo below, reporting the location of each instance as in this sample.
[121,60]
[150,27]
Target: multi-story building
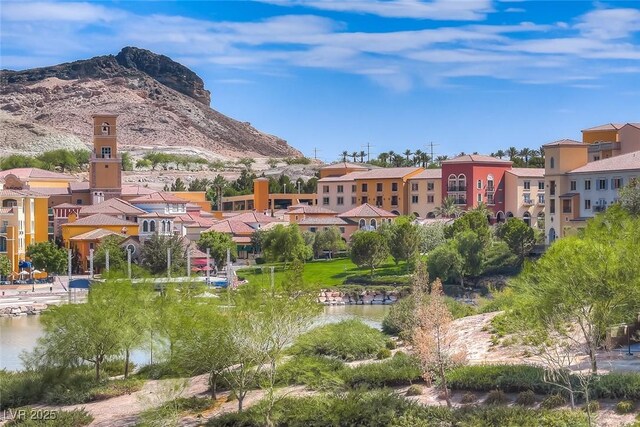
[105,167]
[472,179]
[425,193]
[524,190]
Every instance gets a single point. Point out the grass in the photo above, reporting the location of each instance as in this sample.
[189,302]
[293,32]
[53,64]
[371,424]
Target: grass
[326,273]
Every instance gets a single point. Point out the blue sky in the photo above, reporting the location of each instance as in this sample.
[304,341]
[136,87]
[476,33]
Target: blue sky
[475,75]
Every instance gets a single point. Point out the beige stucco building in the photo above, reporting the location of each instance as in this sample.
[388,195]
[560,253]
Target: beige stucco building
[524,188]
[425,193]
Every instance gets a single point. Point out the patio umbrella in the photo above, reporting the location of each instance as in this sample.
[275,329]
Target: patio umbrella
[23,273]
[196,269]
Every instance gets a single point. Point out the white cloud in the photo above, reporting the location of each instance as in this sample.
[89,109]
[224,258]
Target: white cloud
[56,12]
[607,24]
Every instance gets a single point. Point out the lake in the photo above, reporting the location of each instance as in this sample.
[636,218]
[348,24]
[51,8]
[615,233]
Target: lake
[18,334]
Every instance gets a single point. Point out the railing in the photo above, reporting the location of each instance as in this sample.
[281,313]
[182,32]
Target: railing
[460,201]
[457,188]
[540,202]
[527,202]
[599,208]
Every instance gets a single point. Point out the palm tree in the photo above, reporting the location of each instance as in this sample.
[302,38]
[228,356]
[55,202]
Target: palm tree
[407,153]
[362,154]
[541,151]
[500,154]
[426,159]
[448,209]
[345,154]
[383,158]
[417,157]
[512,152]
[526,152]
[355,156]
[441,159]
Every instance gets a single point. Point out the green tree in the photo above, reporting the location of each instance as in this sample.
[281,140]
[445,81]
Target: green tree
[199,184]
[445,263]
[83,157]
[154,254]
[218,243]
[285,244]
[431,236]
[5,266]
[448,209]
[630,197]
[518,235]
[48,256]
[61,158]
[143,164]
[178,185]
[471,250]
[403,239]
[117,255]
[328,240]
[127,161]
[474,220]
[368,249]
[19,161]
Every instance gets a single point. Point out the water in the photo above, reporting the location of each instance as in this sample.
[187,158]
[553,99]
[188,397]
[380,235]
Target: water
[18,334]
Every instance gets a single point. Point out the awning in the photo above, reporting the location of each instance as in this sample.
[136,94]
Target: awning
[199,261]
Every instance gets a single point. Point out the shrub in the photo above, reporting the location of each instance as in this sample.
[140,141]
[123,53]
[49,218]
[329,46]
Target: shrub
[526,398]
[509,378]
[618,386]
[401,369]
[553,401]
[163,414]
[496,397]
[158,371]
[316,372]
[468,398]
[115,367]
[347,340]
[391,344]
[593,406]
[414,390]
[74,418]
[383,353]
[625,406]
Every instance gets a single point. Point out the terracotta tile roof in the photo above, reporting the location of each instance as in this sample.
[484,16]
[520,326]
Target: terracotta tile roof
[102,219]
[476,158]
[135,190]
[623,162]
[565,142]
[97,234]
[382,173]
[241,239]
[428,174]
[311,210]
[156,215]
[331,220]
[113,206]
[158,197]
[252,217]
[21,193]
[35,173]
[344,178]
[52,191]
[231,227]
[274,225]
[67,205]
[527,172]
[189,218]
[611,126]
[79,186]
[366,211]
[343,165]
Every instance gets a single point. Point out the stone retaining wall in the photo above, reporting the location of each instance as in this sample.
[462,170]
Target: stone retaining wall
[23,310]
[365,298]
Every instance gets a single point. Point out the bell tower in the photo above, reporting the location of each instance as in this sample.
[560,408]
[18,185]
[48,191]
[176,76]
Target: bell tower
[105,169]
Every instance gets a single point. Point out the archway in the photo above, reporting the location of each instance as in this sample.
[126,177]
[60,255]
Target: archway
[509,215]
[395,212]
[362,224]
[431,215]
[373,223]
[500,216]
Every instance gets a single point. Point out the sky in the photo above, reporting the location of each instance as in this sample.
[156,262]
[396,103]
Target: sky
[335,75]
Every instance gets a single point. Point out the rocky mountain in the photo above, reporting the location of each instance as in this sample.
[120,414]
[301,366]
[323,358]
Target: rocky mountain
[161,105]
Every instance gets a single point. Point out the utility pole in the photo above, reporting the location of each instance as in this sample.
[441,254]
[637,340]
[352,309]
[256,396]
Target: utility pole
[431,145]
[315,153]
[369,151]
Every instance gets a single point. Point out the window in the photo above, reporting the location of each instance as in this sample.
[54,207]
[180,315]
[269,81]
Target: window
[340,188]
[373,223]
[312,229]
[353,188]
[145,226]
[552,163]
[479,198]
[616,183]
[394,200]
[587,204]
[394,186]
[106,152]
[362,223]
[572,186]
[325,200]
[452,185]
[340,201]
[379,186]
[552,206]
[342,230]
[8,203]
[365,188]
[527,199]
[552,188]
[541,185]
[462,182]
[414,198]
[353,200]
[430,198]
[78,201]
[378,200]
[490,183]
[527,185]
[414,186]
[479,184]
[3,244]
[105,128]
[541,199]
[587,184]
[596,158]
[430,186]
[602,184]
[365,199]
[490,199]
[325,188]
[566,206]
[152,226]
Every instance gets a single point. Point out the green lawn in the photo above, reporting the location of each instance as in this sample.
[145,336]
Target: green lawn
[323,273]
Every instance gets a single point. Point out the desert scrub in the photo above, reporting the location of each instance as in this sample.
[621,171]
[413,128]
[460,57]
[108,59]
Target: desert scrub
[526,398]
[316,372]
[401,369]
[625,406]
[468,398]
[496,397]
[171,411]
[383,353]
[414,390]
[554,401]
[593,406]
[348,340]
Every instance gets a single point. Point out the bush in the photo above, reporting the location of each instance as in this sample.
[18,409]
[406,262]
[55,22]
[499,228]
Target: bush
[509,378]
[383,353]
[414,390]
[157,371]
[496,397]
[618,386]
[348,340]
[163,414]
[316,372]
[115,367]
[593,406]
[625,406]
[553,401]
[401,369]
[74,418]
[526,398]
[468,398]
[391,344]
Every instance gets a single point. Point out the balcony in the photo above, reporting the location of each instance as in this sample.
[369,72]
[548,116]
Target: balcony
[454,188]
[460,201]
[540,203]
[527,202]
[599,208]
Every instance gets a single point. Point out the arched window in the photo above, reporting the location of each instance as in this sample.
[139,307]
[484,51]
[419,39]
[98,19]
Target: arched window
[527,218]
[452,182]
[9,203]
[500,216]
[3,244]
[362,224]
[106,129]
[373,223]
[145,226]
[552,163]
[462,182]
[490,183]
[552,235]
[152,226]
